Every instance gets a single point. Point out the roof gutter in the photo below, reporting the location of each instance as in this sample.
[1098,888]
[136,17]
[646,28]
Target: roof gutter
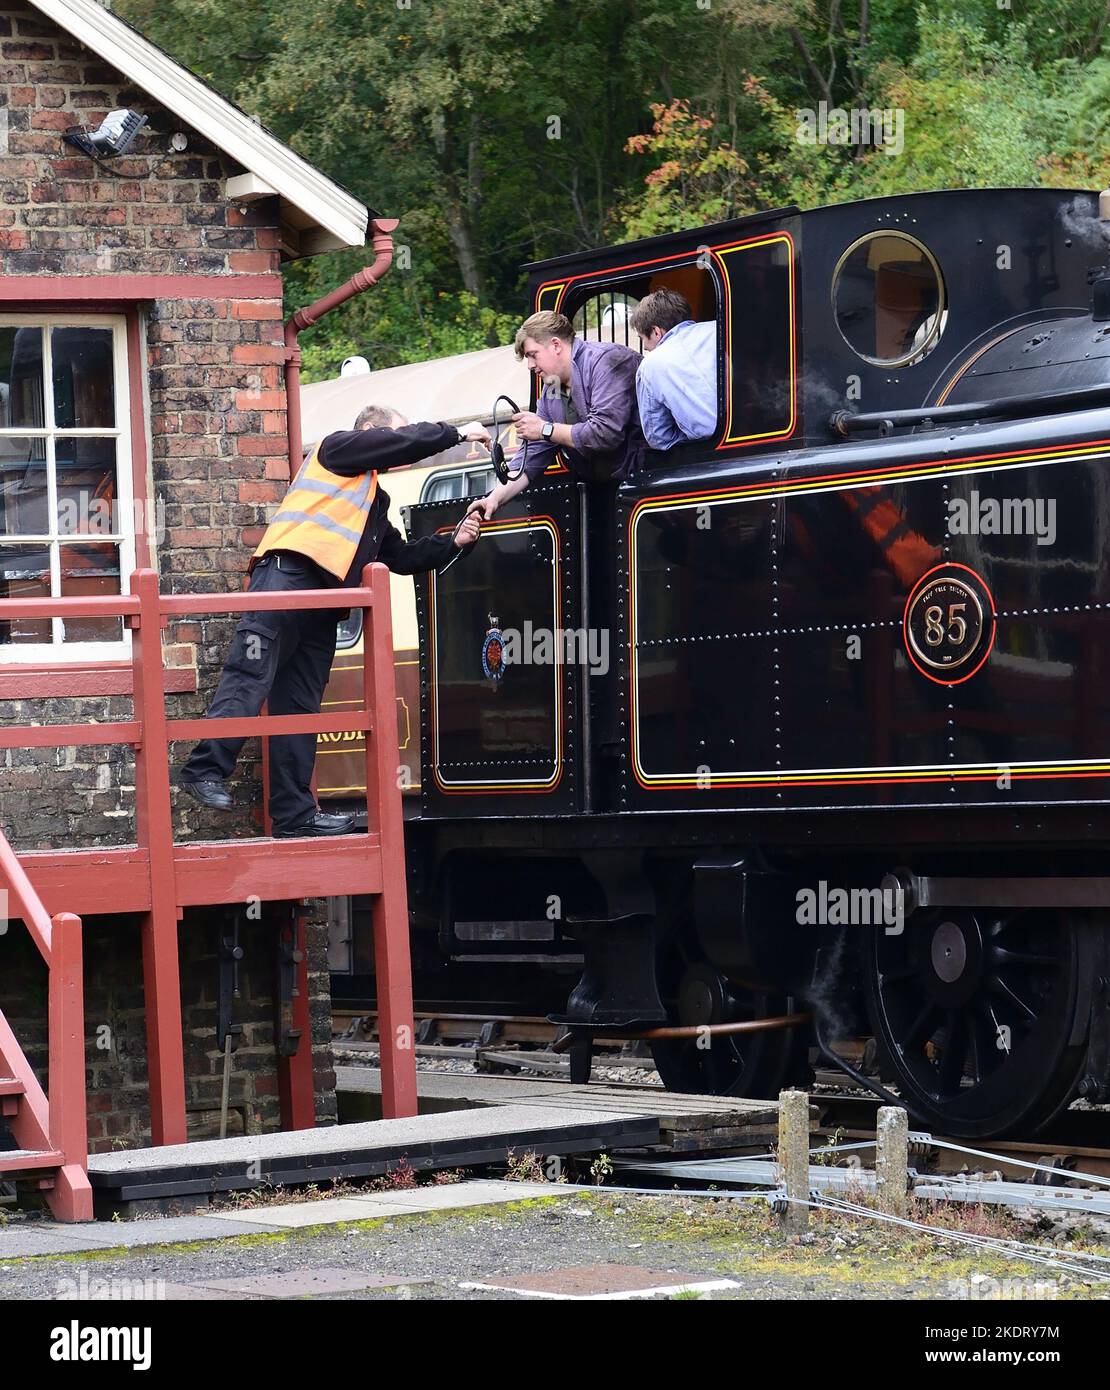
[382,241]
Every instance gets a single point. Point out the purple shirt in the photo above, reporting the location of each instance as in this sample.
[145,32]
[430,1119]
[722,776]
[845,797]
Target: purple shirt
[607,438]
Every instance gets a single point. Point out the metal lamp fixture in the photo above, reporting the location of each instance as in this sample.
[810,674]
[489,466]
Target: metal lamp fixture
[112,137]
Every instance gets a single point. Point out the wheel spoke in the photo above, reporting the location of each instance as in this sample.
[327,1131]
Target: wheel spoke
[975,1067]
[1004,957]
[999,1038]
[999,986]
[919,1030]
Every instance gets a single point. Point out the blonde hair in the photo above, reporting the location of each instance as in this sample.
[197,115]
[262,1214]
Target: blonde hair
[543,327]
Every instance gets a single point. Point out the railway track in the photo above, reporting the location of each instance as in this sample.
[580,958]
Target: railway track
[512,1044]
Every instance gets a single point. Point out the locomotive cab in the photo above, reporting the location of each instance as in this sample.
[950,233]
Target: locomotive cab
[850,643]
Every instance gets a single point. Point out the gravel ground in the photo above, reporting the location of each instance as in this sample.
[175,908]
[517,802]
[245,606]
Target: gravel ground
[632,1076]
[837,1261]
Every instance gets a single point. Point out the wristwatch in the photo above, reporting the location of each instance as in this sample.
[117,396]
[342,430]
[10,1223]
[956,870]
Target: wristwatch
[548,430]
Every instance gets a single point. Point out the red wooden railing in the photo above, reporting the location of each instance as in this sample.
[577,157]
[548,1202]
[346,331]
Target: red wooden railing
[53,1128]
[372,863]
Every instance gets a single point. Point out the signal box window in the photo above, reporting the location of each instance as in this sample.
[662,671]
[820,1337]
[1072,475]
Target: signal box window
[888,297]
[66,516]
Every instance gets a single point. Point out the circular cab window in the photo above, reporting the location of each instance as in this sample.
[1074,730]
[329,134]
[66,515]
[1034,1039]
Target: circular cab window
[888,299]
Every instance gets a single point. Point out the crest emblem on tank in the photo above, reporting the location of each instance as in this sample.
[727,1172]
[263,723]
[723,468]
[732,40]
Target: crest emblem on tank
[493,651]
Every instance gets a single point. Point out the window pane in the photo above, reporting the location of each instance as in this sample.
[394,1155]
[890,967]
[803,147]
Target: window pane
[760,385]
[604,318]
[86,471]
[445,488]
[90,570]
[83,393]
[349,629]
[479,482]
[24,573]
[21,397]
[888,297]
[23,499]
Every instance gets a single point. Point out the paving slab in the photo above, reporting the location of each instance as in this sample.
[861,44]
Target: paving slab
[403,1202]
[306,1283]
[161,1230]
[602,1282]
[291,1216]
[469,1194]
[193,1293]
[33,1240]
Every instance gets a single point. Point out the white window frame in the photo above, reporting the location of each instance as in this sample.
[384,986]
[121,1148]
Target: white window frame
[483,466]
[59,650]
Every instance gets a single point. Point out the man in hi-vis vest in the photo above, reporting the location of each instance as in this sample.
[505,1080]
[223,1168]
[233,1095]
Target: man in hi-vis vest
[331,523]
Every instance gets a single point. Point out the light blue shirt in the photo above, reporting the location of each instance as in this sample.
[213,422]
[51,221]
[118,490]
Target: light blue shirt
[676,385]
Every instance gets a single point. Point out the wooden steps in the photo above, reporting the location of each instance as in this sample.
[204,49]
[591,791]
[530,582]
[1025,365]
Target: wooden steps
[25,1160]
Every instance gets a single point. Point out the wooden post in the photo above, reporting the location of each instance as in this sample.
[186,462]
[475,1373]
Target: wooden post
[392,957]
[296,1079]
[892,1160]
[154,833]
[794,1158]
[72,1196]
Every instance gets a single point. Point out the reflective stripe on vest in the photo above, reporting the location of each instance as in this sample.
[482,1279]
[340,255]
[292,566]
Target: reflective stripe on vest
[322,516]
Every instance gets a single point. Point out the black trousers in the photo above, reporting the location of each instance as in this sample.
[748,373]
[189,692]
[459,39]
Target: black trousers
[284,658]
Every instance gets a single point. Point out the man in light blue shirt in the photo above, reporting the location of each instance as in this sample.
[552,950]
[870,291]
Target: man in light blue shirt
[676,384]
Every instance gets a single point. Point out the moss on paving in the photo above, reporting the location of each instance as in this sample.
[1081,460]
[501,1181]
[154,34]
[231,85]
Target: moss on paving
[733,1237]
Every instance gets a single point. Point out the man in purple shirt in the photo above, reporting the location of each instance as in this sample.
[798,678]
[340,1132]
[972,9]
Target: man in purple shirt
[586,411]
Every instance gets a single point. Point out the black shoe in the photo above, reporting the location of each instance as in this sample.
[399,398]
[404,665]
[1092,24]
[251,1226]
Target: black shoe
[210,792]
[322,823]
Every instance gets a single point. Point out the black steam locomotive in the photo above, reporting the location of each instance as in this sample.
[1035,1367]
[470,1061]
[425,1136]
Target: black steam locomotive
[807,726]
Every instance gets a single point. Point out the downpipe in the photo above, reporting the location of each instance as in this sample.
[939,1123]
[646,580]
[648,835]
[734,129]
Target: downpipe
[381,240]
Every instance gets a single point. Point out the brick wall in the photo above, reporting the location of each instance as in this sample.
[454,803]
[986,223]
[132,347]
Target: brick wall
[215,380]
[218,458]
[115,1026]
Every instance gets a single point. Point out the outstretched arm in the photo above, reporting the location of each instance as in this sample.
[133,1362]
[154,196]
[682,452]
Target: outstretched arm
[349,452]
[429,553]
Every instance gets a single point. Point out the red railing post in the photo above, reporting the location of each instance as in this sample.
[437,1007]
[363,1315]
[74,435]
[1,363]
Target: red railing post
[392,957]
[68,1124]
[154,835]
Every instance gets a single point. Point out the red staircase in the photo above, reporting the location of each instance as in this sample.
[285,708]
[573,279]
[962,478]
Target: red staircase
[158,878]
[50,1131]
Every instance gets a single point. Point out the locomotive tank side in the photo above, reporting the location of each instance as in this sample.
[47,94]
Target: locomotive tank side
[851,755]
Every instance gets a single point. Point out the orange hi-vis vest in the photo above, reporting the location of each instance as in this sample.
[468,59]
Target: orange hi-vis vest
[322,516]
[905,550]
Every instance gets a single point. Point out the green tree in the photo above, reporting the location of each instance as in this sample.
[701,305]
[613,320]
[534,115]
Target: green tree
[694,177]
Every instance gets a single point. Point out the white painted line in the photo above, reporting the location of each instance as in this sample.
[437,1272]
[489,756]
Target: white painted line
[660,1290]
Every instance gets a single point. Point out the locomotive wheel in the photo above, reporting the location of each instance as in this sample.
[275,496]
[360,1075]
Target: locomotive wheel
[984,1016]
[755,1065]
